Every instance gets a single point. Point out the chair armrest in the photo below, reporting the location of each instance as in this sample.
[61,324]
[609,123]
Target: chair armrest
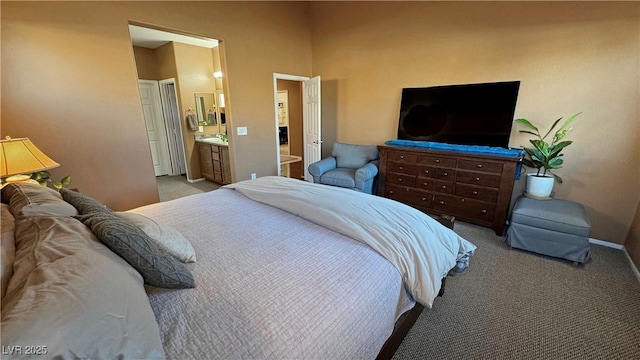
[320,167]
[368,171]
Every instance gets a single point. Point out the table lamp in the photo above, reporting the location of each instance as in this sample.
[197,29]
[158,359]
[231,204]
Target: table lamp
[19,157]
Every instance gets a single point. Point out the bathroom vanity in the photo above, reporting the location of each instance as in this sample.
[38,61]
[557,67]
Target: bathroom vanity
[214,160]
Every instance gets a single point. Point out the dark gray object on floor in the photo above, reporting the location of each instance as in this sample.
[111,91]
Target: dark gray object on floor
[558,228]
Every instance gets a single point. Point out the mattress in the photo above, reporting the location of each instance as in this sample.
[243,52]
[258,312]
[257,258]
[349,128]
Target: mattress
[270,284]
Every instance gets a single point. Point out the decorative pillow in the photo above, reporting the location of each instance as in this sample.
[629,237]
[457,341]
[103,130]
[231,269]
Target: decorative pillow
[133,245]
[74,296]
[35,199]
[8,247]
[164,236]
[353,156]
[83,203]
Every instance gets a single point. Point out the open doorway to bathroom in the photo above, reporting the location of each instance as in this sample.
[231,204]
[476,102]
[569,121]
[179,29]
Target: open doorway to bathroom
[191,65]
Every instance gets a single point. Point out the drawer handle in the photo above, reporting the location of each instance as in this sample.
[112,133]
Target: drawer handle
[477,179]
[484,211]
[445,174]
[479,166]
[390,192]
[399,179]
[437,161]
[462,200]
[401,168]
[441,202]
[401,156]
[475,193]
[426,171]
[423,199]
[444,186]
[426,184]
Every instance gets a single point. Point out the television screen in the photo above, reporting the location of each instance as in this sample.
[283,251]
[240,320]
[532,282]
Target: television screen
[471,114]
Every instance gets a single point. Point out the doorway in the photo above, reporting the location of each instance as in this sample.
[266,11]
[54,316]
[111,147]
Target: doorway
[298,124]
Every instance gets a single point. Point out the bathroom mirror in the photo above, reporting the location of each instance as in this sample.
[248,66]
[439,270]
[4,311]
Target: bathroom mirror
[206,109]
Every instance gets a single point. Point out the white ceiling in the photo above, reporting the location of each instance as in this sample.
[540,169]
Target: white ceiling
[151,38]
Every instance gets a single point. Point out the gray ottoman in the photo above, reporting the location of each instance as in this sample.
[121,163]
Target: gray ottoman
[557,228]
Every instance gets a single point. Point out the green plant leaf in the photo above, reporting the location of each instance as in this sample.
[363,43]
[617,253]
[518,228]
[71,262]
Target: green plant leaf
[555,149]
[528,132]
[551,128]
[528,124]
[556,177]
[554,163]
[66,180]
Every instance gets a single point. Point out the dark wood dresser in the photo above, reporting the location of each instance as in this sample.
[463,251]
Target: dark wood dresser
[473,188]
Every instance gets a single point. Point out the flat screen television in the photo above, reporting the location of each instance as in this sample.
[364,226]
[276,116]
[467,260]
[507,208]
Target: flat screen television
[470,114]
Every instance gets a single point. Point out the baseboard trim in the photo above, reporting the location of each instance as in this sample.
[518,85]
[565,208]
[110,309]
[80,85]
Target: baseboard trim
[633,265]
[196,180]
[606,243]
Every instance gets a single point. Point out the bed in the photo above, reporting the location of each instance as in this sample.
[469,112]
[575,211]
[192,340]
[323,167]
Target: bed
[283,269]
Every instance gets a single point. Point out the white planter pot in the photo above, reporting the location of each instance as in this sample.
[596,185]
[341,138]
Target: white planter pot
[540,186]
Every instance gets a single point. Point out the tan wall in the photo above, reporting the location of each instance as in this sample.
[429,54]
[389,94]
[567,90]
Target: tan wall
[69,82]
[146,63]
[633,239]
[569,57]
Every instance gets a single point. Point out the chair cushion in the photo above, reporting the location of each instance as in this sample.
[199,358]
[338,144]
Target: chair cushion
[557,215]
[342,177]
[353,156]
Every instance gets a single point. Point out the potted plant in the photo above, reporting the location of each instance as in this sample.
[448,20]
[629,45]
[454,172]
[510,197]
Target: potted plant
[545,156]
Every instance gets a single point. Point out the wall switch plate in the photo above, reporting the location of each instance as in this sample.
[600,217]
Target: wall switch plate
[253,176]
[201,128]
[242,130]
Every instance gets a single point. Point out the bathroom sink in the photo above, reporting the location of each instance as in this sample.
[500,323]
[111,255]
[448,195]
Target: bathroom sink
[214,140]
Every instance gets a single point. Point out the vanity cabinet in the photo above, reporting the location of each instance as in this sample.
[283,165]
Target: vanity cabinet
[473,188]
[214,162]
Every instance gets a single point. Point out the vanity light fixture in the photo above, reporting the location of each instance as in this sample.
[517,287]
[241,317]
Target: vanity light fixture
[21,156]
[217,74]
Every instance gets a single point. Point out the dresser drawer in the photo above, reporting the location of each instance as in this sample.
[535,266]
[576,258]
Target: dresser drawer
[215,155]
[398,193]
[401,156]
[426,171]
[445,174]
[419,198]
[437,161]
[478,178]
[476,193]
[401,179]
[425,184]
[402,168]
[480,165]
[445,187]
[469,209]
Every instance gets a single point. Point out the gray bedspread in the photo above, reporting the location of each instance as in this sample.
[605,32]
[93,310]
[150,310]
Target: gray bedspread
[271,285]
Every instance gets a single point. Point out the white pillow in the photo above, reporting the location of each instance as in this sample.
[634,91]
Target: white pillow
[165,237]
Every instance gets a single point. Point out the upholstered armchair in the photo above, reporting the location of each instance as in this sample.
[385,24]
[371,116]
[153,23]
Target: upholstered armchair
[349,166]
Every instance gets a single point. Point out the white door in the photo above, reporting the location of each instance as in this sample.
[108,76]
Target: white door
[152,109]
[311,123]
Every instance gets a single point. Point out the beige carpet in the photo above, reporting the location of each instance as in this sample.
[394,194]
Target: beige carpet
[511,304]
[173,187]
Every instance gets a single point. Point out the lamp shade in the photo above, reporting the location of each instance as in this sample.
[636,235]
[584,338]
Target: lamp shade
[21,156]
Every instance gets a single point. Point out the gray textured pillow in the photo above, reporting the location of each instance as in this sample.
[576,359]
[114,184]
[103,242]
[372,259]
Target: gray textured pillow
[353,156]
[164,236]
[131,243]
[33,200]
[83,203]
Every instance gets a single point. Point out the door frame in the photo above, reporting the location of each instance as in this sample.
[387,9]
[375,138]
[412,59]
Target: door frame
[276,77]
